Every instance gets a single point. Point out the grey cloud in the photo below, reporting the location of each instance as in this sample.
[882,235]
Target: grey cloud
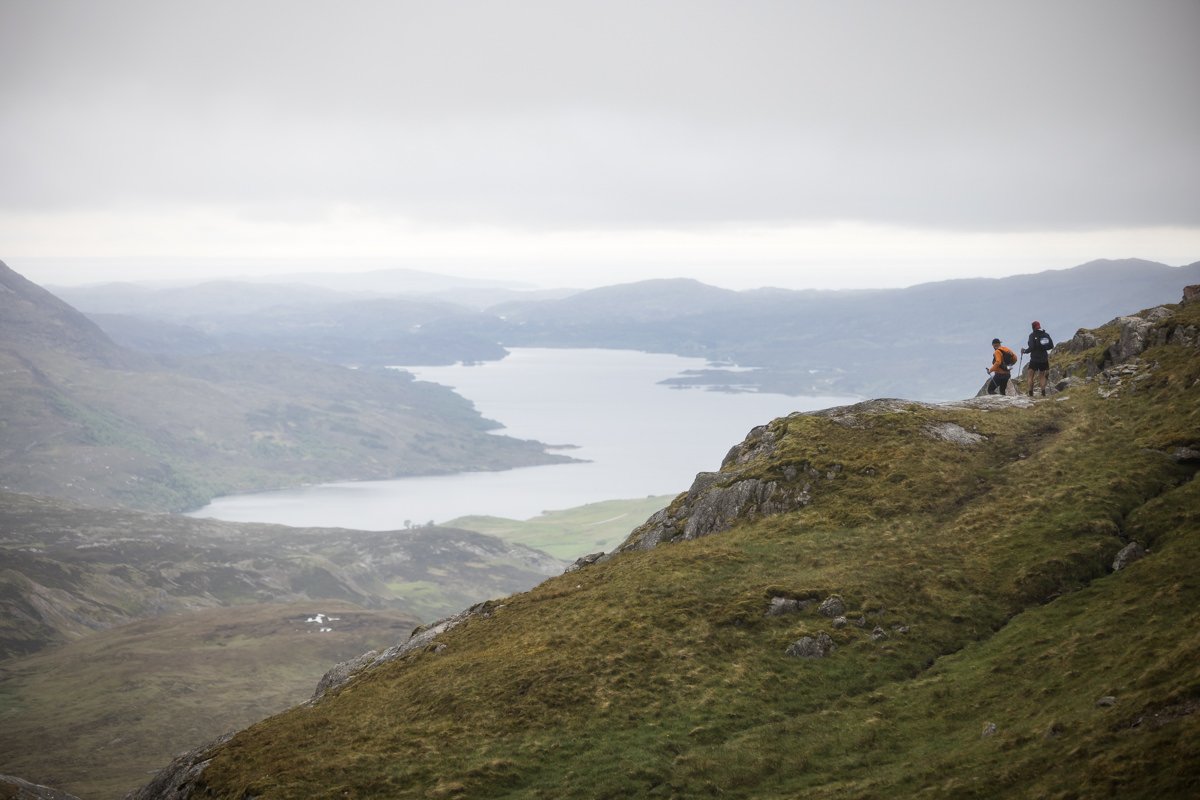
[1009,115]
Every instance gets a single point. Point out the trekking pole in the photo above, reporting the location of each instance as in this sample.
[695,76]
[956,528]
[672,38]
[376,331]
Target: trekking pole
[1017,382]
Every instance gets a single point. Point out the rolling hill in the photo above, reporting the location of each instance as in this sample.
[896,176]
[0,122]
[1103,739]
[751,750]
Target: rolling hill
[988,598]
[84,419]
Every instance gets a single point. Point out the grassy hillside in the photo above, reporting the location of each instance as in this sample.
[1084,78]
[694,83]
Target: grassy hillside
[85,420]
[985,647]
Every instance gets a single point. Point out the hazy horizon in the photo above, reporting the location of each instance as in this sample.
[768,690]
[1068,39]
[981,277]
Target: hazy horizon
[81,273]
[811,144]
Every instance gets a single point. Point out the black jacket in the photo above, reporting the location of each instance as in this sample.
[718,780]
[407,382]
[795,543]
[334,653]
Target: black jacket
[1039,353]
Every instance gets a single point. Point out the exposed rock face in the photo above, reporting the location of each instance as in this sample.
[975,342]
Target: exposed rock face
[817,646]
[178,780]
[584,561]
[787,605]
[949,432]
[421,637]
[713,505]
[718,500]
[1186,455]
[1129,553]
[1135,335]
[832,606]
[340,673]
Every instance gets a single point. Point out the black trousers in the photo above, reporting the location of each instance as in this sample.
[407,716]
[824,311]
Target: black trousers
[998,384]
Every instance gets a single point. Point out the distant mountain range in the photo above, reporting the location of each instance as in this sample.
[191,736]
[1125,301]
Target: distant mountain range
[84,418]
[929,341]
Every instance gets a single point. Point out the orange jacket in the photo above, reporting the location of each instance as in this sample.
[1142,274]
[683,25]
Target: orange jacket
[998,360]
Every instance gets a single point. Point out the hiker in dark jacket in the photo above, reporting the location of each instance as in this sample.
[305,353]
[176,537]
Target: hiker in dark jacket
[1001,358]
[1039,346]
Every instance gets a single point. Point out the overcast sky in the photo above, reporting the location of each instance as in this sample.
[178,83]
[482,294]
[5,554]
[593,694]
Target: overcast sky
[826,144]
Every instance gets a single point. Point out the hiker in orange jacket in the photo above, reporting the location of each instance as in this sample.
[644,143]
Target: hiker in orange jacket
[1002,359]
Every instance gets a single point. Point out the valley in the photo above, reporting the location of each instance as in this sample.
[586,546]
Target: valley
[994,596]
[167,631]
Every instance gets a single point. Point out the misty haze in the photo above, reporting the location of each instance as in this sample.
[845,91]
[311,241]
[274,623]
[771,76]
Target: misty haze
[599,400]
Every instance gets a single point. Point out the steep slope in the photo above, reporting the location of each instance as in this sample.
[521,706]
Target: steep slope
[83,419]
[31,319]
[882,600]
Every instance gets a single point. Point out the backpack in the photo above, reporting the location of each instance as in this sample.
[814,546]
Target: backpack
[1007,357]
[1044,341]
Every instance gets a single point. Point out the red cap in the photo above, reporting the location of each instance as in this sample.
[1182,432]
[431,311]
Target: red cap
[1036,324]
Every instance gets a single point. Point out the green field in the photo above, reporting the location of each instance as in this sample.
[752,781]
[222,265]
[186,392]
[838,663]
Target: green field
[573,532]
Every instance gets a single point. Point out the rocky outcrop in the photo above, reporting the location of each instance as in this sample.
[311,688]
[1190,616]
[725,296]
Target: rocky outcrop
[818,646]
[1135,335]
[1117,367]
[718,500]
[421,637]
[787,605]
[1129,553]
[343,672]
[833,606]
[178,780]
[949,432]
